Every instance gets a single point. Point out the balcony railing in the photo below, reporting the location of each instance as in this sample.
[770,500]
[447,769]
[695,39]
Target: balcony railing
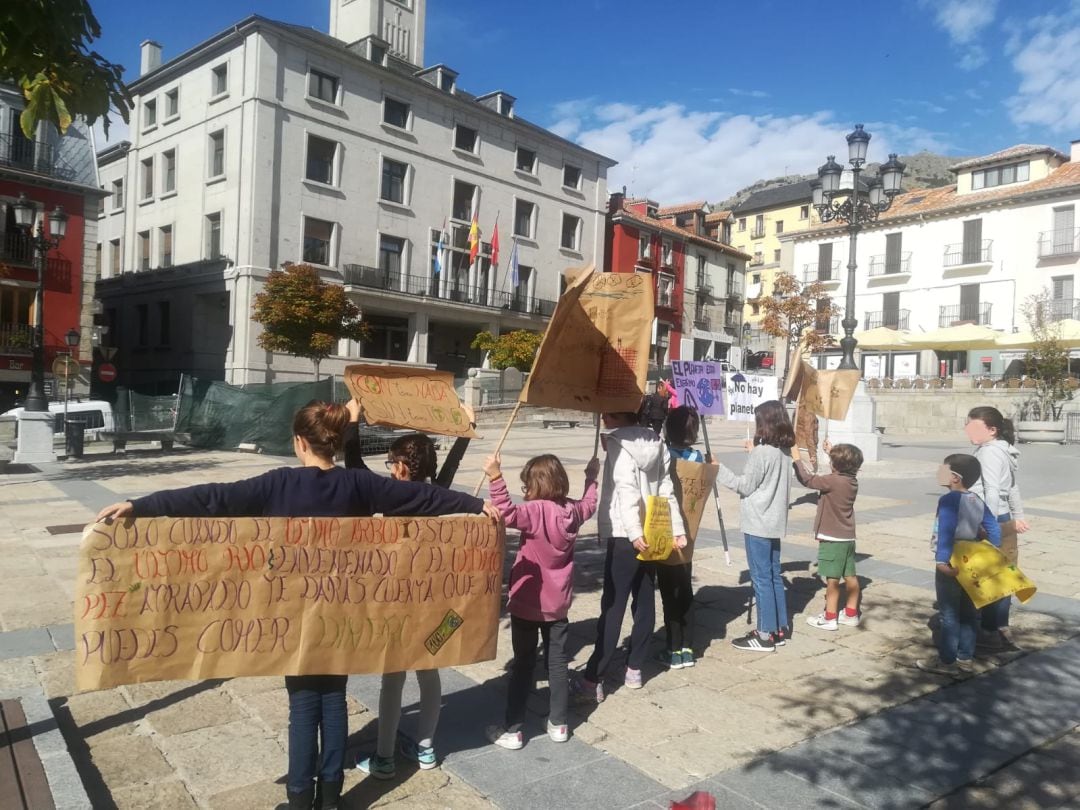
[815,272]
[16,338]
[17,248]
[959,254]
[1062,308]
[757,233]
[39,157]
[886,265]
[828,326]
[703,322]
[357,275]
[704,286]
[1062,242]
[965,313]
[890,319]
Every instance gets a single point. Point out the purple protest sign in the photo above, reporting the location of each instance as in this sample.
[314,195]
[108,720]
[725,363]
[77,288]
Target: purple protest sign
[699,384]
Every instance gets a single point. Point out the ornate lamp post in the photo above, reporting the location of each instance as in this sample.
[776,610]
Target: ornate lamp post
[843,205]
[24,218]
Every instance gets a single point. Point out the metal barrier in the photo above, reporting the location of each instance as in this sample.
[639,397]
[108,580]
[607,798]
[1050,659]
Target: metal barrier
[1072,428]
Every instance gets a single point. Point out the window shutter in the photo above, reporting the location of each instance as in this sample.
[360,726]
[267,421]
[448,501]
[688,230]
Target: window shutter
[972,241]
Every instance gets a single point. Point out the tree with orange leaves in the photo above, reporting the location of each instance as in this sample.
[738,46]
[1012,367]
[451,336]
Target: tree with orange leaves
[799,313]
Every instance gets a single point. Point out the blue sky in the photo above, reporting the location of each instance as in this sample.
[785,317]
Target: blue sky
[697,99]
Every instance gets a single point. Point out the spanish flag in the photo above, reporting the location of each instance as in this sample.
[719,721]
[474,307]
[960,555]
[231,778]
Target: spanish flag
[474,239]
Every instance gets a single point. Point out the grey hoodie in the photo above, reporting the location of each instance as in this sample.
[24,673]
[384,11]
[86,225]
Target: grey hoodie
[765,488]
[997,486]
[636,466]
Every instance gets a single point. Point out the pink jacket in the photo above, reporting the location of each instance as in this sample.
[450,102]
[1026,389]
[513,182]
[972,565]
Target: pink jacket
[673,397]
[542,578]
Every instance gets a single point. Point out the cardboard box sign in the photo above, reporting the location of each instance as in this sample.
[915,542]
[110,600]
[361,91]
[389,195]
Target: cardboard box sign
[409,398]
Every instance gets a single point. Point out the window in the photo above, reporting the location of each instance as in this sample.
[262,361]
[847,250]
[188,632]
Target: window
[464,197]
[446,81]
[323,86]
[571,232]
[144,250]
[804,212]
[391,252]
[665,252]
[148,179]
[149,113]
[217,153]
[115,257]
[163,323]
[521,289]
[1000,176]
[526,160]
[779,226]
[759,225]
[142,311]
[571,177]
[172,103]
[165,246]
[118,195]
[755,278]
[755,309]
[972,247]
[524,214]
[320,160]
[465,138]
[168,171]
[219,80]
[742,224]
[824,262]
[213,236]
[776,255]
[893,244]
[317,237]
[394,175]
[759,258]
[395,113]
[890,310]
[665,288]
[644,247]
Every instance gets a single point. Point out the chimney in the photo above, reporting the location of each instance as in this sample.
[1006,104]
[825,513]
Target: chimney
[1074,151]
[149,56]
[615,200]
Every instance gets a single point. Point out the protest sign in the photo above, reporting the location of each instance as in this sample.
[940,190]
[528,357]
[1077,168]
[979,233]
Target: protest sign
[693,484]
[197,598]
[699,384]
[745,392]
[410,398]
[595,352]
[825,393]
[986,575]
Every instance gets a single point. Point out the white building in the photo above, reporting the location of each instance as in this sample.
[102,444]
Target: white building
[271,143]
[972,252]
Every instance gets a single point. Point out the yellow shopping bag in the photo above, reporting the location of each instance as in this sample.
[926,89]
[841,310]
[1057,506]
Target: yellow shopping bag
[657,529]
[986,575]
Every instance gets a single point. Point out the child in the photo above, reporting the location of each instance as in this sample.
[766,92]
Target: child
[541,584]
[675,579]
[834,529]
[960,516]
[764,489]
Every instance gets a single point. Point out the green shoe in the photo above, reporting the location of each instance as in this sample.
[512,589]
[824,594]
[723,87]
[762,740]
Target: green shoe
[687,656]
[379,767]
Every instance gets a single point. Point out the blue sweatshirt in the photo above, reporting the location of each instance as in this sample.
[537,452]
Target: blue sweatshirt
[308,491]
[960,515]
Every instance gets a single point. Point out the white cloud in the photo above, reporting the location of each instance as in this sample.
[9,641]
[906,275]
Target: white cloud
[1046,54]
[964,21]
[737,91]
[118,131]
[674,154]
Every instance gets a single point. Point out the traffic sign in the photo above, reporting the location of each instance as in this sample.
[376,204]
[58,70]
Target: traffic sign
[106,372]
[64,365]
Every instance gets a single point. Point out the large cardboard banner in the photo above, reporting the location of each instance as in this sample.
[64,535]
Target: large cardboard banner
[693,485]
[410,398]
[745,392]
[825,393]
[699,384]
[196,598]
[595,352]
[986,575]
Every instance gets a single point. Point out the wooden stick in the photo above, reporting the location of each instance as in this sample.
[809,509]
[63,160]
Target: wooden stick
[716,493]
[498,447]
[596,442]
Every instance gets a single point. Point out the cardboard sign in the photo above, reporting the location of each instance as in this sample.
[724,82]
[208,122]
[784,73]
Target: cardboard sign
[693,485]
[409,398]
[699,384]
[196,598]
[986,575]
[745,392]
[595,352]
[825,393]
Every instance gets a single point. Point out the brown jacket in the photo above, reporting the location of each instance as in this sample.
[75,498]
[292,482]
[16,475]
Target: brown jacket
[836,507]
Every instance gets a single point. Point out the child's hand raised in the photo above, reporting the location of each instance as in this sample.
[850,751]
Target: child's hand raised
[353,407]
[592,469]
[493,466]
[827,446]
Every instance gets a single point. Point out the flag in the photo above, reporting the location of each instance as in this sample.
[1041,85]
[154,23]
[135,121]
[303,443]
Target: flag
[439,251]
[514,279]
[495,244]
[474,239]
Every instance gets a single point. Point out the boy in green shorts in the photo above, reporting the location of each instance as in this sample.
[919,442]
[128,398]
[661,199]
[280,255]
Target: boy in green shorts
[834,529]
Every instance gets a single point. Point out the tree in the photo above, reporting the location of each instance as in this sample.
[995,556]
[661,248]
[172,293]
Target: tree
[515,349]
[1047,361]
[304,316]
[795,313]
[44,50]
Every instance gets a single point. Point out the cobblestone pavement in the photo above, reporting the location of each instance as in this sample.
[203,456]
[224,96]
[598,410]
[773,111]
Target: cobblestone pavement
[832,720]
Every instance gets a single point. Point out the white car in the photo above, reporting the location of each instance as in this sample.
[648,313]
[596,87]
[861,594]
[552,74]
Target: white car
[97,416]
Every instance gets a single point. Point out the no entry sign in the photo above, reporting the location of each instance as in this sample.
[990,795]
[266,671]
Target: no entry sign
[106,372]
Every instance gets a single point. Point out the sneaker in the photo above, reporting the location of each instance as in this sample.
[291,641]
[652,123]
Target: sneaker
[781,636]
[687,656]
[966,667]
[752,642]
[505,738]
[379,767]
[822,623]
[849,621]
[633,677]
[424,756]
[936,666]
[558,733]
[584,691]
[671,660]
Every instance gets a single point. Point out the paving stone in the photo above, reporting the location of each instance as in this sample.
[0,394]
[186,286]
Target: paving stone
[63,636]
[131,759]
[271,708]
[56,673]
[100,715]
[770,787]
[655,761]
[212,760]
[605,783]
[171,794]
[22,643]
[410,785]
[197,711]
[251,686]
[17,674]
[257,796]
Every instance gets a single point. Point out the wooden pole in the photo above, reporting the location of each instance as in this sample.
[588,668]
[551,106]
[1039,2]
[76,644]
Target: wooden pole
[716,493]
[498,447]
[596,441]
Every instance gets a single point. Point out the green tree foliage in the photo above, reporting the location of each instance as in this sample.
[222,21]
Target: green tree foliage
[794,314]
[1047,361]
[45,51]
[304,316]
[515,349]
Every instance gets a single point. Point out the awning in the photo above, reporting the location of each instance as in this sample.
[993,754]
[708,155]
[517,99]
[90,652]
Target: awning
[956,338]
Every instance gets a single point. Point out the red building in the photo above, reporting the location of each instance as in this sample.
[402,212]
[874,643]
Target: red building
[50,171]
[698,281]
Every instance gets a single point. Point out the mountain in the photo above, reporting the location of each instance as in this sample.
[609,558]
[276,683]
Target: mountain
[924,170]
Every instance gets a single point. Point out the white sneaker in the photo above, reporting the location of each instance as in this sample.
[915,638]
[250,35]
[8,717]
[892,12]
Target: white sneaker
[558,733]
[821,623]
[936,666]
[504,738]
[849,621]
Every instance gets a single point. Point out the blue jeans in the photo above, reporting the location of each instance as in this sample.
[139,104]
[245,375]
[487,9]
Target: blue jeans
[316,703]
[763,557]
[995,616]
[959,620]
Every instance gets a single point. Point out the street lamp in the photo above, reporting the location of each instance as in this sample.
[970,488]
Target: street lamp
[842,205]
[24,219]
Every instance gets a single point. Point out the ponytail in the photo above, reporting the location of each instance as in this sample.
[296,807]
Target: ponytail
[1008,431]
[992,418]
[322,425]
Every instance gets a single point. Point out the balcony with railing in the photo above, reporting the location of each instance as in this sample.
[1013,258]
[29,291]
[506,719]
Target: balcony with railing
[962,254]
[829,325]
[702,321]
[889,318]
[1063,308]
[886,265]
[17,252]
[735,288]
[757,233]
[39,157]
[828,274]
[958,314]
[16,338]
[357,275]
[1062,242]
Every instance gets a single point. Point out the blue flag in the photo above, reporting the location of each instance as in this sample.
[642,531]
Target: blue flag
[438,254]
